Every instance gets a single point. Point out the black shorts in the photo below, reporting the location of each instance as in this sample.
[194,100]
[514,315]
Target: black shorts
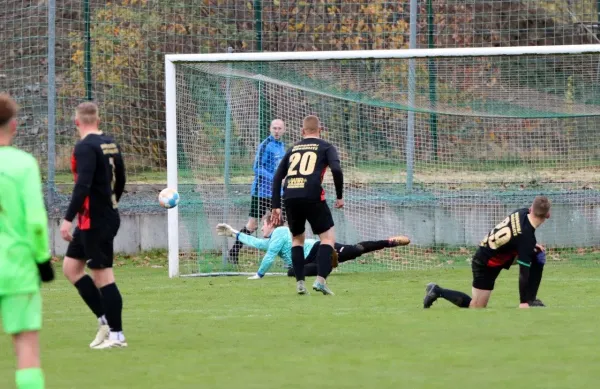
[312,255]
[259,206]
[317,214]
[484,277]
[95,246]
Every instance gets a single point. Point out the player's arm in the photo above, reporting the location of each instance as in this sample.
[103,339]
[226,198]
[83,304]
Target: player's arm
[85,158]
[249,240]
[120,177]
[278,178]
[333,160]
[525,258]
[277,241]
[36,220]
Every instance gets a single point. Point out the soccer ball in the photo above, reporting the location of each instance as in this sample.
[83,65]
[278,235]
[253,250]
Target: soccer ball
[168,198]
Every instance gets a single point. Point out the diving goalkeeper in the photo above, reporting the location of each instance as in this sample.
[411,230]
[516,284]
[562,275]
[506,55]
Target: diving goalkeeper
[24,253]
[277,242]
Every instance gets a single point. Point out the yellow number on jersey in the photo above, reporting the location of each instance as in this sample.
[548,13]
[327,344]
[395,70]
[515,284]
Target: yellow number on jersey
[307,163]
[499,236]
[113,181]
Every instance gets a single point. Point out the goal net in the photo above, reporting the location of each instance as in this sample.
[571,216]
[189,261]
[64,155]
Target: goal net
[435,144]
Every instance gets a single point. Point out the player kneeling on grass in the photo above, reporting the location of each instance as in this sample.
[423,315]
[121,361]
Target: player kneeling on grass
[278,243]
[513,237]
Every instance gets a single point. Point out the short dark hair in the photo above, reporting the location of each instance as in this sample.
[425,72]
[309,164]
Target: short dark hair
[311,124]
[541,206]
[8,109]
[87,112]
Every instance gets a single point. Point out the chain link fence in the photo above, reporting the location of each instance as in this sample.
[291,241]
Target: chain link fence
[113,52]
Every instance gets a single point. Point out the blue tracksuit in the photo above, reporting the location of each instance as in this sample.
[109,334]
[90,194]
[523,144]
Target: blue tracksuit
[269,154]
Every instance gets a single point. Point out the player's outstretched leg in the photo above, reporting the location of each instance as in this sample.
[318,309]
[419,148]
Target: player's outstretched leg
[350,252]
[73,269]
[434,291]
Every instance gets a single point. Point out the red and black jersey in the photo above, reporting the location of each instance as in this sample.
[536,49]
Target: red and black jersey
[303,168]
[99,174]
[513,237]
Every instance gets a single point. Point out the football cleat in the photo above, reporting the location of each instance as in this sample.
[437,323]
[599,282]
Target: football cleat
[536,303]
[322,288]
[431,294]
[108,343]
[399,240]
[101,335]
[300,288]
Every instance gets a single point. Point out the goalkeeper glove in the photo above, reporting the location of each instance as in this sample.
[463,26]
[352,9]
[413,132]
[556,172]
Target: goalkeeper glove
[226,230]
[46,270]
[541,257]
[257,276]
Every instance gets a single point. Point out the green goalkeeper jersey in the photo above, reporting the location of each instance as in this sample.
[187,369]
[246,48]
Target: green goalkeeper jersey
[23,222]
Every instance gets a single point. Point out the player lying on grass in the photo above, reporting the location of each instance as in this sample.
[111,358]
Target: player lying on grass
[277,242]
[513,237]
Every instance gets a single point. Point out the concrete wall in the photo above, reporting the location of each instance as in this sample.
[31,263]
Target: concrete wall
[455,225]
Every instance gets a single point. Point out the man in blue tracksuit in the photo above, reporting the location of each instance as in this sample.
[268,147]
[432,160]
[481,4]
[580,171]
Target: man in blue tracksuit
[269,154]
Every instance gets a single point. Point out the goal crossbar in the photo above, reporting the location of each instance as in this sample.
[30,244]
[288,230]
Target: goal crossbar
[384,54]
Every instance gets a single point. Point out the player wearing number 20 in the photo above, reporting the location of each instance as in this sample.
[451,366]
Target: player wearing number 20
[99,174]
[513,238]
[303,168]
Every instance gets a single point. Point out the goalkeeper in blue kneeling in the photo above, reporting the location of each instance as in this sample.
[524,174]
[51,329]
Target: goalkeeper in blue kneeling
[277,242]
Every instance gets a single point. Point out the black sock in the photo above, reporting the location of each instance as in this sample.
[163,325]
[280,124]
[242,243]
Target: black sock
[90,294]
[535,279]
[114,306]
[324,260]
[457,298]
[298,262]
[373,245]
[234,252]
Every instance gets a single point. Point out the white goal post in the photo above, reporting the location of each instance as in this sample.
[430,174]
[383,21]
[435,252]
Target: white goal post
[174,123]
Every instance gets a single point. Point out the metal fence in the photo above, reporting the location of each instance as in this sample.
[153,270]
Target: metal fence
[57,53]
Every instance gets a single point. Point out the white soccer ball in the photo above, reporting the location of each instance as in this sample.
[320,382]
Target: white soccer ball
[168,198]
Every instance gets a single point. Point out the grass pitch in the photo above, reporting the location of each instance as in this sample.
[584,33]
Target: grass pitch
[232,333]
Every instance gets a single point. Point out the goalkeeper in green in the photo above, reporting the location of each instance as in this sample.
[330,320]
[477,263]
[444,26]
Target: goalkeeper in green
[24,253]
[277,242]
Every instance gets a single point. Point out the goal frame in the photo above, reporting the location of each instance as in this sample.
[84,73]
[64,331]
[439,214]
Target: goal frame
[170,93]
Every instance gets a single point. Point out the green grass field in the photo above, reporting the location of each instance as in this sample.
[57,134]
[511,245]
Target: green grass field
[230,333]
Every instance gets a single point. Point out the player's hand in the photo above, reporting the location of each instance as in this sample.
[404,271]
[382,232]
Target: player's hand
[523,305]
[339,203]
[276,216]
[226,230]
[255,277]
[65,230]
[539,248]
[46,270]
